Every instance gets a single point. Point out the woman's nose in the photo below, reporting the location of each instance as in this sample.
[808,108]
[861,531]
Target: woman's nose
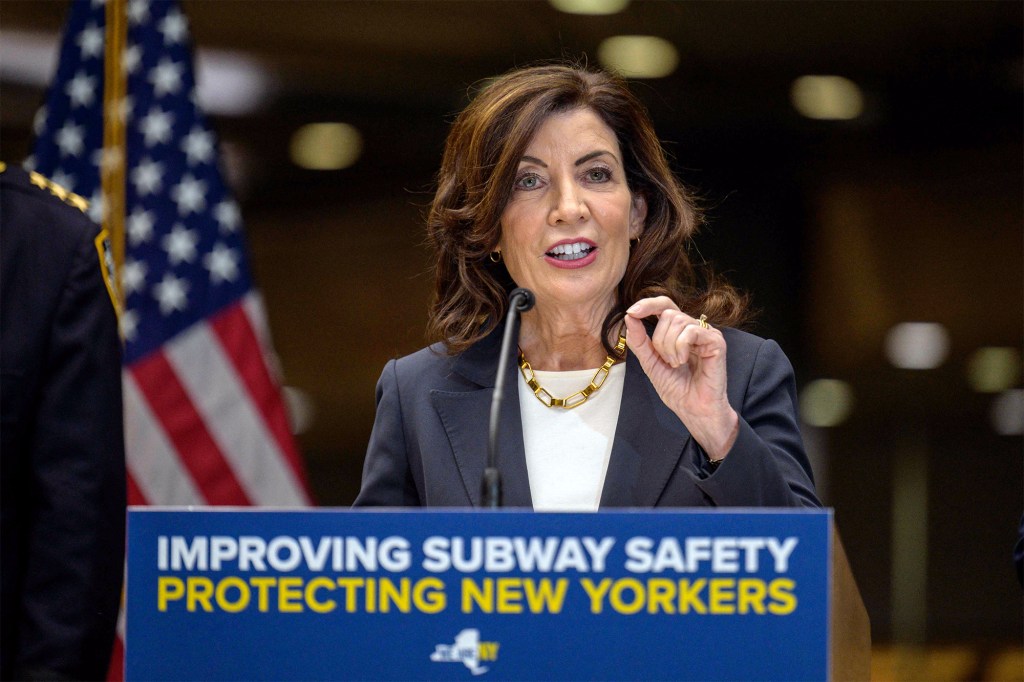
[568,207]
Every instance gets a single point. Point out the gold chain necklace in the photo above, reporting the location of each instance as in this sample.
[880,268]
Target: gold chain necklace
[579,397]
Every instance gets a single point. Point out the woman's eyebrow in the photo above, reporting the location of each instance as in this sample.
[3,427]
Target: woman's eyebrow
[580,161]
[592,155]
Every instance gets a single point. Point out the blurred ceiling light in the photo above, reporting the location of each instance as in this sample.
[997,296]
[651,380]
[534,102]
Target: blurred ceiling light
[228,83]
[993,369]
[28,57]
[326,146]
[826,402]
[917,345]
[1008,413]
[638,56]
[827,98]
[589,6]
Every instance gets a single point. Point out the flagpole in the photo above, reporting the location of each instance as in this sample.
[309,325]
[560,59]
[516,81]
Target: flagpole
[112,168]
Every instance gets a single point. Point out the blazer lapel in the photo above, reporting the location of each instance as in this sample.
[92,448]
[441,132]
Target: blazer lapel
[466,416]
[649,441]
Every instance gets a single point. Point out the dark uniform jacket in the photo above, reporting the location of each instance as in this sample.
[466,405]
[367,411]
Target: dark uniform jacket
[63,476]
[429,440]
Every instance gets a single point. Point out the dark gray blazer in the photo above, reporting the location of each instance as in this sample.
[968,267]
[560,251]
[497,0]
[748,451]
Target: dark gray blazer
[429,440]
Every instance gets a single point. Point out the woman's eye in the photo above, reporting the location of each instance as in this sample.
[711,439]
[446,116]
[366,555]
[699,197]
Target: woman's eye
[598,174]
[527,182]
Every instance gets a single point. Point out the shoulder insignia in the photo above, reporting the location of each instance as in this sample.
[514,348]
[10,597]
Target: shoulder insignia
[108,269]
[69,198]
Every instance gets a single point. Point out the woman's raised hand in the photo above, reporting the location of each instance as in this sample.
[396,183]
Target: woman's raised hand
[686,364]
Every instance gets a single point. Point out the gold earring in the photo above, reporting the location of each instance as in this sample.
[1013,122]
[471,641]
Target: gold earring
[495,256]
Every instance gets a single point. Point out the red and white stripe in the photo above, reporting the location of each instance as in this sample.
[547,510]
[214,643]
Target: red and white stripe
[205,422]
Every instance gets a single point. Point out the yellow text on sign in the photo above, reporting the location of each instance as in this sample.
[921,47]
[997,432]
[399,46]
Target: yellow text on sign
[714,596]
[513,595]
[292,594]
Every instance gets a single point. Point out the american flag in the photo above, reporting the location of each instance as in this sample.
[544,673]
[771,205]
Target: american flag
[205,423]
[204,419]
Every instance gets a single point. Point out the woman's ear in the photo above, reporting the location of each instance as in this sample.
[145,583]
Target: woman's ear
[637,215]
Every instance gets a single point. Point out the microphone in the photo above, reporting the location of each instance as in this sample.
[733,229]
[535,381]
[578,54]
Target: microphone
[519,301]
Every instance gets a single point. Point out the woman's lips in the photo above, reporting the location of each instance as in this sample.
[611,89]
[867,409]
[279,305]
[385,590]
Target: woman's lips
[572,253]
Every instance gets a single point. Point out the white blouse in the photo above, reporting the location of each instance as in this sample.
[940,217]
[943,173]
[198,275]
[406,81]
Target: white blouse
[567,451]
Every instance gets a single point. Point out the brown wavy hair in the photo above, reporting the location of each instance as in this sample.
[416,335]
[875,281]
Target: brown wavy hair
[475,182]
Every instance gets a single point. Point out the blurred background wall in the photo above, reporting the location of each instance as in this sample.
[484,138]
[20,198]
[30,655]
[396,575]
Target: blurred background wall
[849,207]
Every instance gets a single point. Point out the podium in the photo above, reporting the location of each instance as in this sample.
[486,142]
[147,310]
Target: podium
[321,594]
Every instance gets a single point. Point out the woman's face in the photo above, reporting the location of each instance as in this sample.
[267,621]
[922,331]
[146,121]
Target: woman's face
[565,232]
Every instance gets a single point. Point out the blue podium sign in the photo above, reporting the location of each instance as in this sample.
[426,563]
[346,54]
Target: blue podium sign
[219,594]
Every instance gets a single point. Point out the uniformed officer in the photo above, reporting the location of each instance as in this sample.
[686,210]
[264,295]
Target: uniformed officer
[62,441]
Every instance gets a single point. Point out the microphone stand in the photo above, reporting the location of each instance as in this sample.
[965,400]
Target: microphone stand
[519,301]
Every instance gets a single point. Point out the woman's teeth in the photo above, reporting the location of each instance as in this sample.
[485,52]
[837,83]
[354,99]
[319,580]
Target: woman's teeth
[571,251]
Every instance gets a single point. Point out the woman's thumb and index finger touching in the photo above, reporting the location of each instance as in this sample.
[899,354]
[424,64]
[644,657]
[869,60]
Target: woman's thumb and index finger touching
[636,333]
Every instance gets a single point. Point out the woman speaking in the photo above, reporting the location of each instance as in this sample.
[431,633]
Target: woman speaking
[633,388]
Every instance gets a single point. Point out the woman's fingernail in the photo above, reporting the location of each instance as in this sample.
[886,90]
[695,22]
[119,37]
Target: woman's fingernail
[633,308]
